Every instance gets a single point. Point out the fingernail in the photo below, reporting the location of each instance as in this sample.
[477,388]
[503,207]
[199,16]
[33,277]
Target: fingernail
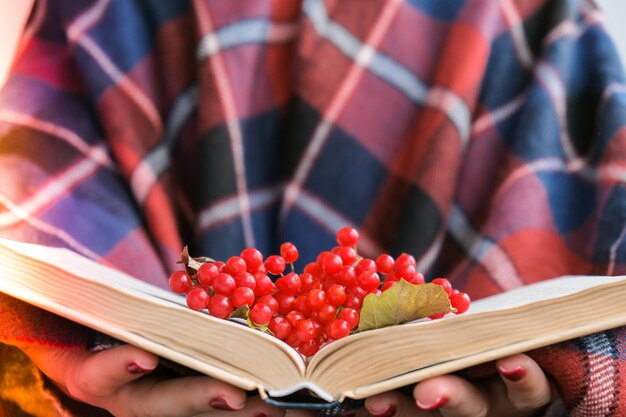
[513,375]
[261,415]
[135,368]
[220,403]
[439,402]
[387,412]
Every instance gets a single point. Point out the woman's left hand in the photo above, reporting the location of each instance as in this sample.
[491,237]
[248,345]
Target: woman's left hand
[521,389]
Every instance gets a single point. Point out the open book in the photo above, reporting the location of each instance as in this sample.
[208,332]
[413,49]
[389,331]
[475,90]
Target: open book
[355,367]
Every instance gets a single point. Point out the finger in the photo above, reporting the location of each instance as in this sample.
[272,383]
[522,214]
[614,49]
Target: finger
[385,404]
[452,396]
[256,407]
[527,387]
[178,397]
[393,404]
[103,373]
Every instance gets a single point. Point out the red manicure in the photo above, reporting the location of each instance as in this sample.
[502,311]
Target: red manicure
[220,403]
[135,368]
[439,402]
[513,375]
[388,412]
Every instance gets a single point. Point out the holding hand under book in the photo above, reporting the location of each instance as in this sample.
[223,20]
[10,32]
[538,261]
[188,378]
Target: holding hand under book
[119,381]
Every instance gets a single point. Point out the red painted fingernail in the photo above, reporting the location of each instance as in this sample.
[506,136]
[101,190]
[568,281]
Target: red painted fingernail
[513,374]
[220,403]
[439,402]
[388,412]
[261,415]
[135,368]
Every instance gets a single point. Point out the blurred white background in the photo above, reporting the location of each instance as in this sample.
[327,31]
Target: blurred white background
[13,13]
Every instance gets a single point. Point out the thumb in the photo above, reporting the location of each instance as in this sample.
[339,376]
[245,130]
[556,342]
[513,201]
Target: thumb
[103,373]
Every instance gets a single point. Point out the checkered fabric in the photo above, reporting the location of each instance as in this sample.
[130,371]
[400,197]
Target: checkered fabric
[485,137]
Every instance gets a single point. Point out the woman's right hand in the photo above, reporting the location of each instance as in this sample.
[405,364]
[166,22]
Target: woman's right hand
[118,380]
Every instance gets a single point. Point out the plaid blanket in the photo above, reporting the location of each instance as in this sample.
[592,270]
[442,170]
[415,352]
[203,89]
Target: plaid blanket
[485,137]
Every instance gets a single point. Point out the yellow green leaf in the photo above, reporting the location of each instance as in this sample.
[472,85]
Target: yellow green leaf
[402,303]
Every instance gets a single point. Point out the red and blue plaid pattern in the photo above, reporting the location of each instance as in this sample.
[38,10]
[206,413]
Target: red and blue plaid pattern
[485,137]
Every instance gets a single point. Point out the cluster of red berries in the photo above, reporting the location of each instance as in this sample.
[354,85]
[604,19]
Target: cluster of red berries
[306,310]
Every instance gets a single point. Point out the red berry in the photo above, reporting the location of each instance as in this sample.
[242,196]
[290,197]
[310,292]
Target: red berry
[269,301]
[289,283]
[353,301]
[384,264]
[293,340]
[338,329]
[207,272]
[307,282]
[260,314]
[253,259]
[418,278]
[245,279]
[293,317]
[180,282]
[346,276]
[305,330]
[314,268]
[285,302]
[364,265]
[445,284]
[220,306]
[347,236]
[336,295]
[368,281]
[332,263]
[404,259]
[299,304]
[437,316]
[235,265]
[289,252]
[387,285]
[242,296]
[405,271]
[359,292]
[461,301]
[346,253]
[224,284]
[315,299]
[326,313]
[351,316]
[309,348]
[263,285]
[275,264]
[197,298]
[280,327]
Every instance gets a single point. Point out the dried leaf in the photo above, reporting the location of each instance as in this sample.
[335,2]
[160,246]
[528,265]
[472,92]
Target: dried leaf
[192,264]
[402,303]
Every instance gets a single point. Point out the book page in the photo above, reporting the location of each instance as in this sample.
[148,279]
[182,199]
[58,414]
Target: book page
[92,271]
[145,316]
[513,322]
[544,290]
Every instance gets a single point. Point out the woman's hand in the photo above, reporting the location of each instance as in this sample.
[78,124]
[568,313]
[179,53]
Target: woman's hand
[118,380]
[521,389]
